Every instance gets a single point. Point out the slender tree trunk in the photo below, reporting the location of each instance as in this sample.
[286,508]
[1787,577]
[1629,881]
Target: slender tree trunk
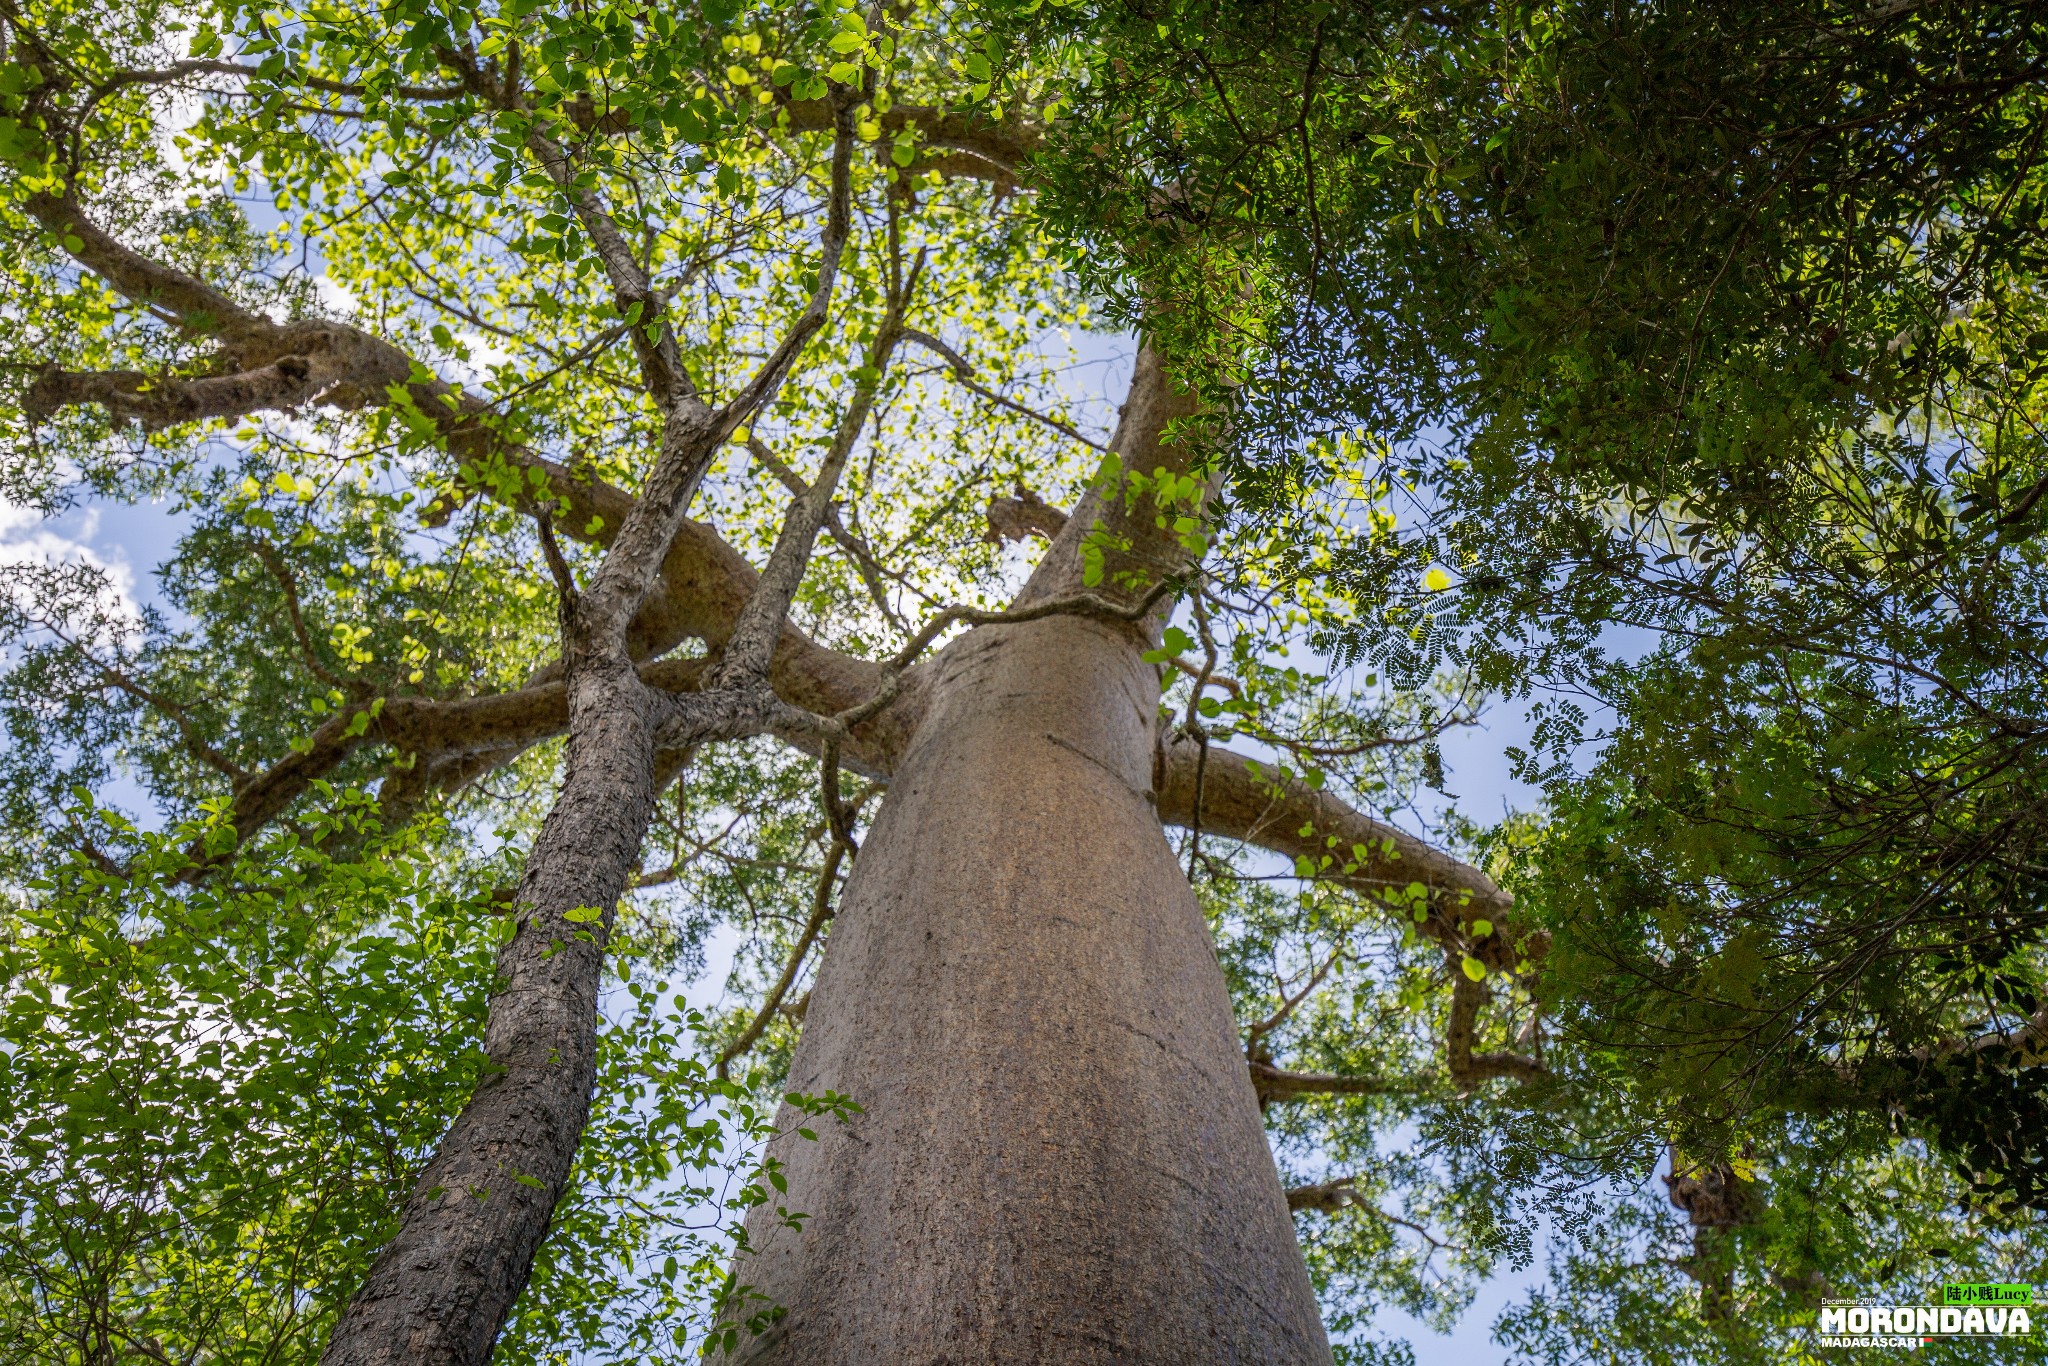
[1060,1156]
[439,1291]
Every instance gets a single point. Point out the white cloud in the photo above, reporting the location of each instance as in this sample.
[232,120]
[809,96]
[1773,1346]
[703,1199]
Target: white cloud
[337,298]
[28,537]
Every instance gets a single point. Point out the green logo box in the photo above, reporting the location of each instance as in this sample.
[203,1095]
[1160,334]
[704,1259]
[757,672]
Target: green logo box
[1984,1293]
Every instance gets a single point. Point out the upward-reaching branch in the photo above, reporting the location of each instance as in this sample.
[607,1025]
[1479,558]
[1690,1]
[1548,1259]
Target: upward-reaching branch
[862,555]
[441,1288]
[702,583]
[661,361]
[692,434]
[752,642]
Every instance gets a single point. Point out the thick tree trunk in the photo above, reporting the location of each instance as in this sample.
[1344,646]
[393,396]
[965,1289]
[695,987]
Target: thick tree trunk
[439,1291]
[1060,1157]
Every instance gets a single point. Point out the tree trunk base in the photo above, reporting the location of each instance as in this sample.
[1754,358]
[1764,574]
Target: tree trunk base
[1060,1156]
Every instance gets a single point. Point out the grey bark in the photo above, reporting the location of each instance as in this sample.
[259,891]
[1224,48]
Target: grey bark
[1059,1156]
[440,1290]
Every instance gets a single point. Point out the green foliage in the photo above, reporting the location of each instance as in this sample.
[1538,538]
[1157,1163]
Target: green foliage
[220,1088]
[307,1020]
[213,1089]
[1676,368]
[1885,1231]
[1683,359]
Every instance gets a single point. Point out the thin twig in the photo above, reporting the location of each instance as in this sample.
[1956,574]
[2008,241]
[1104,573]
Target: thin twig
[864,561]
[821,911]
[963,374]
[1288,1003]
[290,587]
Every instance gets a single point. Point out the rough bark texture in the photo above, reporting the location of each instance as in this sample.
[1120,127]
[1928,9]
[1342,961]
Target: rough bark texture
[1060,1157]
[440,1289]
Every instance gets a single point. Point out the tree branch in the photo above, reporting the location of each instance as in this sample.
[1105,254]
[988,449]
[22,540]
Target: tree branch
[821,911]
[189,731]
[1341,1193]
[691,436]
[1003,147]
[963,373]
[1022,516]
[1288,1003]
[2028,1045]
[1275,1084]
[496,727]
[1243,800]
[752,642]
[1467,1068]
[857,550]
[199,306]
[288,584]
[661,361]
[275,366]
[197,66]
[1340,844]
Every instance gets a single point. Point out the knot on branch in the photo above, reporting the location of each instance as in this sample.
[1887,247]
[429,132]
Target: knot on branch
[1326,1197]
[1714,1196]
[1021,517]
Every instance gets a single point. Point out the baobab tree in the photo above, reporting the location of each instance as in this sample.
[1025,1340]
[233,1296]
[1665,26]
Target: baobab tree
[630,485]
[672,386]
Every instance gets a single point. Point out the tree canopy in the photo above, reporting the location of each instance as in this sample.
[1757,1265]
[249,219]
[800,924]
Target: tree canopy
[1674,372]
[1705,341]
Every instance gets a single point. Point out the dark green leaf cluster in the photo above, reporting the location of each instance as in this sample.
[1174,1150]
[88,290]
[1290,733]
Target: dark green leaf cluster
[1681,366]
